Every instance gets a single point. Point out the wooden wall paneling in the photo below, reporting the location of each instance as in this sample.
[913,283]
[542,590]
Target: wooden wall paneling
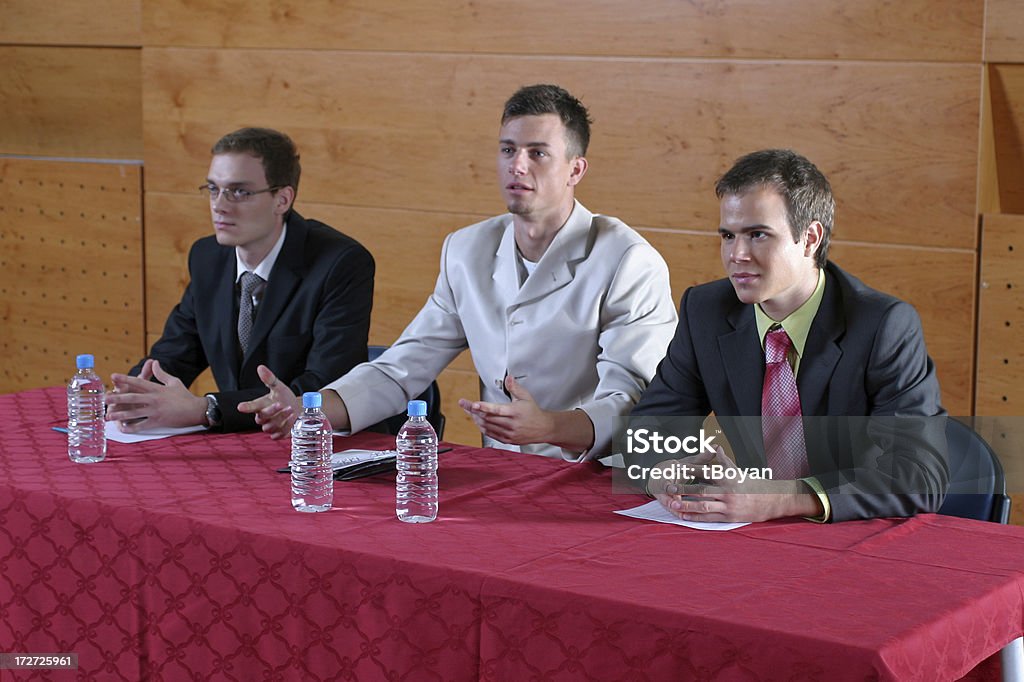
[97,22]
[1004,31]
[988,167]
[173,222]
[418,131]
[70,269]
[1000,379]
[918,30]
[939,283]
[1006,92]
[71,102]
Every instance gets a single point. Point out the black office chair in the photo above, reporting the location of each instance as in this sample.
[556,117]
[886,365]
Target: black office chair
[432,396]
[977,486]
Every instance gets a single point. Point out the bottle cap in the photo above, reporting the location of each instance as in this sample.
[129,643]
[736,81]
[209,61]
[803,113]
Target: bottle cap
[84,361]
[311,399]
[417,408]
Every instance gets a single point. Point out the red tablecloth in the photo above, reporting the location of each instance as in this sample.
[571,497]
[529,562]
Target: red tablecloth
[182,559]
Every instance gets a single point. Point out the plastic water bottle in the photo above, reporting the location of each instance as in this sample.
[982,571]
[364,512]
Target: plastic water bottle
[87,440]
[416,484]
[312,478]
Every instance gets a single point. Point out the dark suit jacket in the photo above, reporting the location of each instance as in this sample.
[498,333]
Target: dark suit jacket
[311,326]
[865,357]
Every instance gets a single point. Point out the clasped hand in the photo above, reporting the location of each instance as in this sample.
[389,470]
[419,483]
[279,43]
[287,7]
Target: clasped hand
[728,497]
[139,403]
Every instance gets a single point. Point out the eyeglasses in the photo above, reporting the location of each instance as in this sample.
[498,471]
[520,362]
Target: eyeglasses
[233,194]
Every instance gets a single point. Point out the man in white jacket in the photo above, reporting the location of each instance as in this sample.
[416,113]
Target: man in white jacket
[565,312]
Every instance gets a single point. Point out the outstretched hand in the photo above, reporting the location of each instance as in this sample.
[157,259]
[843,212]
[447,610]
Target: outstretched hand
[520,422]
[276,411]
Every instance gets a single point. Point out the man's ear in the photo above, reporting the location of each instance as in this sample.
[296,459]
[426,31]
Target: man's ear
[812,238]
[579,169]
[283,199]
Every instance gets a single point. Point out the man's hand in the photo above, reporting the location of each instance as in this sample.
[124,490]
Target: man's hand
[666,488]
[519,422]
[138,403]
[522,421]
[276,411]
[732,500]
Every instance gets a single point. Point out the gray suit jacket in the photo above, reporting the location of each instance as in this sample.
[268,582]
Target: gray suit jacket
[865,357]
[585,331]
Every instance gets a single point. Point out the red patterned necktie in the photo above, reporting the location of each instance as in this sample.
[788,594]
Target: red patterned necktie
[781,417]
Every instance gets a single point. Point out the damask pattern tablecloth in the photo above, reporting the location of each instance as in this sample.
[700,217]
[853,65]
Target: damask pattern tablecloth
[181,559]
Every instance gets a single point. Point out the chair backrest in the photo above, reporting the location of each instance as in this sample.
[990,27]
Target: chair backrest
[977,486]
[432,396]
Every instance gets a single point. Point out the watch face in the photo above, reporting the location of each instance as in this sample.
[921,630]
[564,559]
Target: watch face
[212,411]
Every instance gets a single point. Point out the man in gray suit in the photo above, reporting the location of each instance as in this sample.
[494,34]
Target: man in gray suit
[566,312]
[844,395]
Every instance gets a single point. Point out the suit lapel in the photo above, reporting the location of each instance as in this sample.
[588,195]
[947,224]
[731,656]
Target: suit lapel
[284,279]
[743,360]
[822,351]
[224,320]
[506,275]
[555,268]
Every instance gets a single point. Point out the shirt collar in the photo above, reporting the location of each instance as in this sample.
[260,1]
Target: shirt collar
[798,323]
[267,264]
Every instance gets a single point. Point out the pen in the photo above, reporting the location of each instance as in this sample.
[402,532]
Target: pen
[59,429]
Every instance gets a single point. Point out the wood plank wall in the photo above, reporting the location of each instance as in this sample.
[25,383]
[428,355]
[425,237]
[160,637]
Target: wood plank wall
[395,108]
[70,268]
[70,222]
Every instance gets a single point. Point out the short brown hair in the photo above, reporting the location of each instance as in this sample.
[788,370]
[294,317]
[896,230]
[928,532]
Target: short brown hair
[274,149]
[536,100]
[801,185]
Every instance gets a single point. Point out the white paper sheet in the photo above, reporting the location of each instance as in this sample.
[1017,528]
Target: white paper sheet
[115,434]
[653,511]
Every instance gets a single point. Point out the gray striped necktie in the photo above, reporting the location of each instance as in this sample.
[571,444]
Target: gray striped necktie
[250,282]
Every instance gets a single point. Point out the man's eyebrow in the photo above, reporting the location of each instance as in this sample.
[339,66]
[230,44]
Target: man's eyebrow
[744,230]
[236,183]
[526,144]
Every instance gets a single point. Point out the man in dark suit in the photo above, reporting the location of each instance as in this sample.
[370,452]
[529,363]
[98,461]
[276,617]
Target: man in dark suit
[845,398]
[269,287]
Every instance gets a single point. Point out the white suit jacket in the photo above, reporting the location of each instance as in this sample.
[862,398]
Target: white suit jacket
[585,331]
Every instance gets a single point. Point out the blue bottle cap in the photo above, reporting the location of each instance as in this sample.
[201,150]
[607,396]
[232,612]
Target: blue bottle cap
[417,408]
[84,361]
[311,399]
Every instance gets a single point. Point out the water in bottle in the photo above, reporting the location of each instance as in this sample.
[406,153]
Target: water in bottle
[416,484]
[87,440]
[312,478]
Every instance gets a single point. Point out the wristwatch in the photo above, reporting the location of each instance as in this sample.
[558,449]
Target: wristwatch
[212,411]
